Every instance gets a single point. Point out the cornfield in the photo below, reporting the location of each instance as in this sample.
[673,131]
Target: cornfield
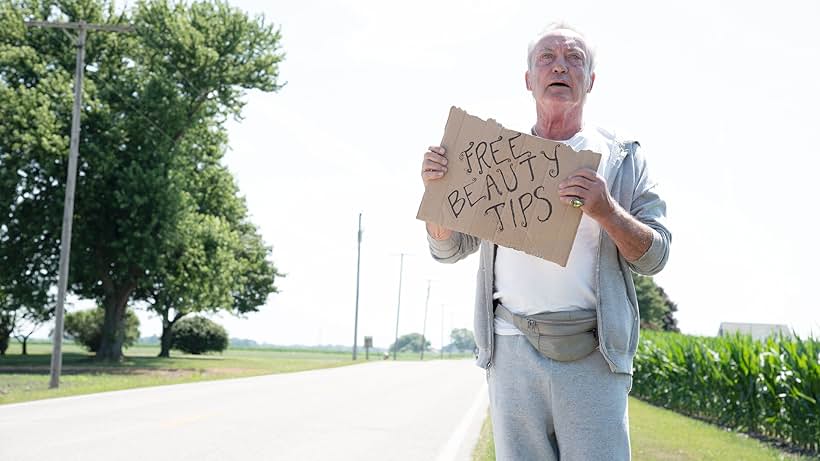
[770,388]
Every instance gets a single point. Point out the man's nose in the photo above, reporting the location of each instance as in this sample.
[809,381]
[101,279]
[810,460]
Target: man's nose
[559,68]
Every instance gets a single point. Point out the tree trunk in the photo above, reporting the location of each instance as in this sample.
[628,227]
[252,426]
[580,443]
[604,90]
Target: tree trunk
[6,328]
[165,341]
[113,331]
[167,334]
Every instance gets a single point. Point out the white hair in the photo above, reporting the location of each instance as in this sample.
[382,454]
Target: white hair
[561,25]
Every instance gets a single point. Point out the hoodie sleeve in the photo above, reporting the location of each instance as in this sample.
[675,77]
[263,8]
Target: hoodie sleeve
[453,249]
[649,208]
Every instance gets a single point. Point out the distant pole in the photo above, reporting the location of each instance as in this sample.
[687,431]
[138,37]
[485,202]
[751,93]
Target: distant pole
[358,265]
[71,179]
[424,325]
[442,331]
[450,352]
[398,308]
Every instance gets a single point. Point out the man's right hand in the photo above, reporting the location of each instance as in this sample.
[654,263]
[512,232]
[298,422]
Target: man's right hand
[434,167]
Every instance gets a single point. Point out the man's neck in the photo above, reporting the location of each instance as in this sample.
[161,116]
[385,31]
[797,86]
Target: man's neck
[558,125]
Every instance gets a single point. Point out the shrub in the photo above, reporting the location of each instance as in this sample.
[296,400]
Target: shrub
[85,327]
[196,335]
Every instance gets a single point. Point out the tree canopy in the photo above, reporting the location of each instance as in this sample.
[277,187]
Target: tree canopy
[154,108]
[85,327]
[410,342]
[462,339]
[657,310]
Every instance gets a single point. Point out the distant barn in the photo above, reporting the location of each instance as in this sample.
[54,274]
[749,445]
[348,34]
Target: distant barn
[756,330]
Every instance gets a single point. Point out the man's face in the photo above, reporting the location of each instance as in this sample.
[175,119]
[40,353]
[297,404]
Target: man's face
[559,70]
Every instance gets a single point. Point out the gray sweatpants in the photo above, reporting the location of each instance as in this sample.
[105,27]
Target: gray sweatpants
[546,410]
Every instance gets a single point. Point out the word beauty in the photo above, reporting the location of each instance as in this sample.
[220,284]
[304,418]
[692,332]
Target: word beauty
[502,186]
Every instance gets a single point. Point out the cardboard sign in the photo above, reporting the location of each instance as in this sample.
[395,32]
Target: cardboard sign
[502,186]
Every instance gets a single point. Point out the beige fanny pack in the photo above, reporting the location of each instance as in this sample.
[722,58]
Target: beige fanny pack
[561,336]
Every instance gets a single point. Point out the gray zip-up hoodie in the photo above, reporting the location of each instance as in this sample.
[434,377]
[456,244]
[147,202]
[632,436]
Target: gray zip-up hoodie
[618,317]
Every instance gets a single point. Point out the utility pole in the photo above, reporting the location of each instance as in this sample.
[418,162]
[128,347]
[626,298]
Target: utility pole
[358,265]
[398,308]
[442,331]
[68,210]
[424,325]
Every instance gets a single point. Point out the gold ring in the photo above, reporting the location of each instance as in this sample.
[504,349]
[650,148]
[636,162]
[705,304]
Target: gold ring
[577,203]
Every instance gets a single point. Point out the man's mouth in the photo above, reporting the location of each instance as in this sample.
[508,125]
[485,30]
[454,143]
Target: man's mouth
[558,84]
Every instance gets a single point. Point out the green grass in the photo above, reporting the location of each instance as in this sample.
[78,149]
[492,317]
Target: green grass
[662,435]
[485,447]
[24,378]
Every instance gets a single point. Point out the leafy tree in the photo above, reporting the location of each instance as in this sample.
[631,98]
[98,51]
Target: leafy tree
[85,327]
[410,342]
[462,339]
[670,323]
[36,102]
[31,320]
[19,319]
[657,310]
[148,99]
[216,260]
[31,119]
[211,267]
[197,335]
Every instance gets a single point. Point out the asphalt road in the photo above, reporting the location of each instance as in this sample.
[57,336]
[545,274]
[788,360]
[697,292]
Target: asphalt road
[384,410]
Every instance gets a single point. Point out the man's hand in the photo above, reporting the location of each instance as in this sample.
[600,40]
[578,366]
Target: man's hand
[434,167]
[632,237]
[586,185]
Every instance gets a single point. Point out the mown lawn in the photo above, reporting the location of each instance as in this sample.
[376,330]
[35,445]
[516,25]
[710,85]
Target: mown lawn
[662,435]
[24,378]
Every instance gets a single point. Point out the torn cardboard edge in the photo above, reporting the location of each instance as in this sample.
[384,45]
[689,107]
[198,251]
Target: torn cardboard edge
[502,185]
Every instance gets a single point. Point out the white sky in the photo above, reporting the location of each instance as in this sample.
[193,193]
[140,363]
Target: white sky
[722,95]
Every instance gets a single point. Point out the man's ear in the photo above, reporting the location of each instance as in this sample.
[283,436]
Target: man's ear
[527,80]
[591,82]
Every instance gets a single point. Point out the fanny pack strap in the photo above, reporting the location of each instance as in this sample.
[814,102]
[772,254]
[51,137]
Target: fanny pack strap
[550,323]
[518,320]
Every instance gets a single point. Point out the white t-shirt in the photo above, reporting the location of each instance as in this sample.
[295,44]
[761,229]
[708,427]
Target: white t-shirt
[528,285]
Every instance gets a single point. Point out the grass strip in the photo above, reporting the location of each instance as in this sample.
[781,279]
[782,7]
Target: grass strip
[25,377]
[662,435]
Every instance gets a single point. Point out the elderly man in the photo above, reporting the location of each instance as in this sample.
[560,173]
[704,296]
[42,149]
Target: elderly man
[545,406]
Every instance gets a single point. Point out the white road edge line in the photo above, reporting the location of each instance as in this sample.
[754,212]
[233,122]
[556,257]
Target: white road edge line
[451,448]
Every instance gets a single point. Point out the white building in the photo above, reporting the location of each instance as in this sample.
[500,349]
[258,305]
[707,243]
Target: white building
[758,331]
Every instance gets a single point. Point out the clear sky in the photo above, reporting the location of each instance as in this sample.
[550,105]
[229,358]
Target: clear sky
[722,95]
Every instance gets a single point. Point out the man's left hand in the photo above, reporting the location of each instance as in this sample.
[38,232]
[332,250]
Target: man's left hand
[589,187]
